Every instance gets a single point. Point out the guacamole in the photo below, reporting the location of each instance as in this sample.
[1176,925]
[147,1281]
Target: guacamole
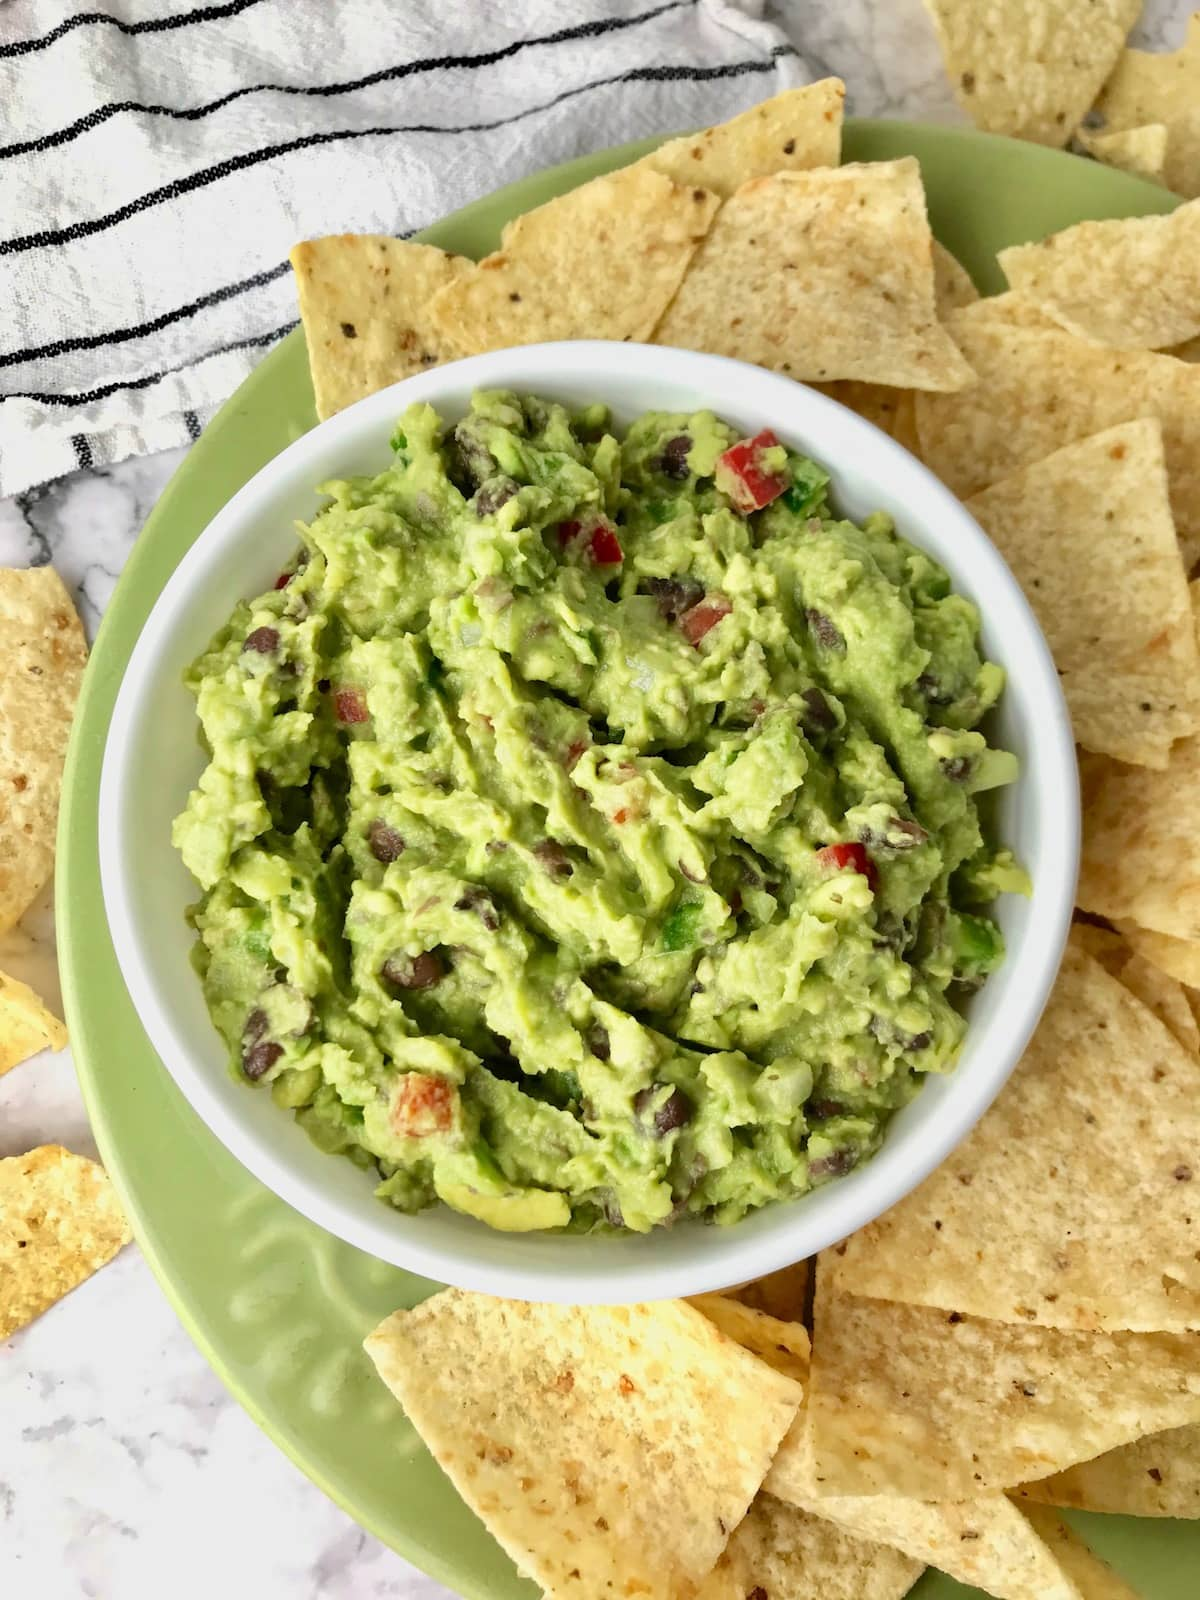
[589,837]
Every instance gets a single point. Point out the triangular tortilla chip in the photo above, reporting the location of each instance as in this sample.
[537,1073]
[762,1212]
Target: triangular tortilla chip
[1140,151]
[782,1345]
[1158,992]
[782,1294]
[1132,283]
[26,1026]
[792,131]
[1158,1476]
[1141,848]
[984,1542]
[782,1553]
[987,1543]
[822,275]
[1149,86]
[891,410]
[362,302]
[913,1400]
[60,1221]
[1030,68]
[953,285]
[601,262]
[1093,1578]
[1178,957]
[1074,1202]
[1039,390]
[514,1400]
[1089,535]
[42,656]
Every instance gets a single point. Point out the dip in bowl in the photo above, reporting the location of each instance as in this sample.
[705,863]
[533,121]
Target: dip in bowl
[591,840]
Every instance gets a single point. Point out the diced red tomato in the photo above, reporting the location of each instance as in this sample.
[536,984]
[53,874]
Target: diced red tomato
[574,751]
[350,705]
[284,578]
[838,857]
[423,1104]
[623,815]
[702,618]
[740,475]
[603,546]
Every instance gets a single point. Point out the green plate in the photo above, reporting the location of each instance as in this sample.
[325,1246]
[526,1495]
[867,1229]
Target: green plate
[277,1306]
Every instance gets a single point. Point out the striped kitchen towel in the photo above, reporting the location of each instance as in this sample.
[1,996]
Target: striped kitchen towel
[159,158]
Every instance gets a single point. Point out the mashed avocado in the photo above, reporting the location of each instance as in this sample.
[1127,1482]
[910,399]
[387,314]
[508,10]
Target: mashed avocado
[589,835]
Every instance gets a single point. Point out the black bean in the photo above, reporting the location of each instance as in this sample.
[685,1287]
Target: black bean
[473,463]
[904,834]
[920,1041]
[675,1111]
[673,463]
[480,901]
[384,842]
[833,1166]
[551,856]
[822,1110]
[824,630]
[931,687]
[598,1042]
[956,768]
[255,1026]
[673,596]
[818,715]
[264,640]
[260,1058]
[413,972]
[493,494]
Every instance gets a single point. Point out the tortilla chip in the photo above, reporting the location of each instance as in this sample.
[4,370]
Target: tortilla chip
[1149,87]
[1141,852]
[362,302]
[791,132]
[782,1294]
[1158,1476]
[953,285]
[892,410]
[1140,151]
[1131,283]
[601,262]
[913,1400]
[513,1397]
[1160,993]
[1039,390]
[1089,536]
[1179,958]
[1073,1203]
[42,656]
[26,1026]
[60,1221]
[783,1553]
[782,1345]
[822,275]
[986,1543]
[1030,69]
[1094,1579]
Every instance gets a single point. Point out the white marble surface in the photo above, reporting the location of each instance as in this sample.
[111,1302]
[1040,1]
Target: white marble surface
[125,1469]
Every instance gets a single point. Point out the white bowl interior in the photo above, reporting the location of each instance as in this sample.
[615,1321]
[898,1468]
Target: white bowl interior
[152,759]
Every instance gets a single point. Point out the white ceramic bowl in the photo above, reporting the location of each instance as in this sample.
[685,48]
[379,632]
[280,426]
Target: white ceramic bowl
[152,759]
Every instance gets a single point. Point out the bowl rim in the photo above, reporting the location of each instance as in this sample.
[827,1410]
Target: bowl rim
[832,1211]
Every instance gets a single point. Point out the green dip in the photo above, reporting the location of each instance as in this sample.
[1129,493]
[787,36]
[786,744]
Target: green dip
[582,847]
